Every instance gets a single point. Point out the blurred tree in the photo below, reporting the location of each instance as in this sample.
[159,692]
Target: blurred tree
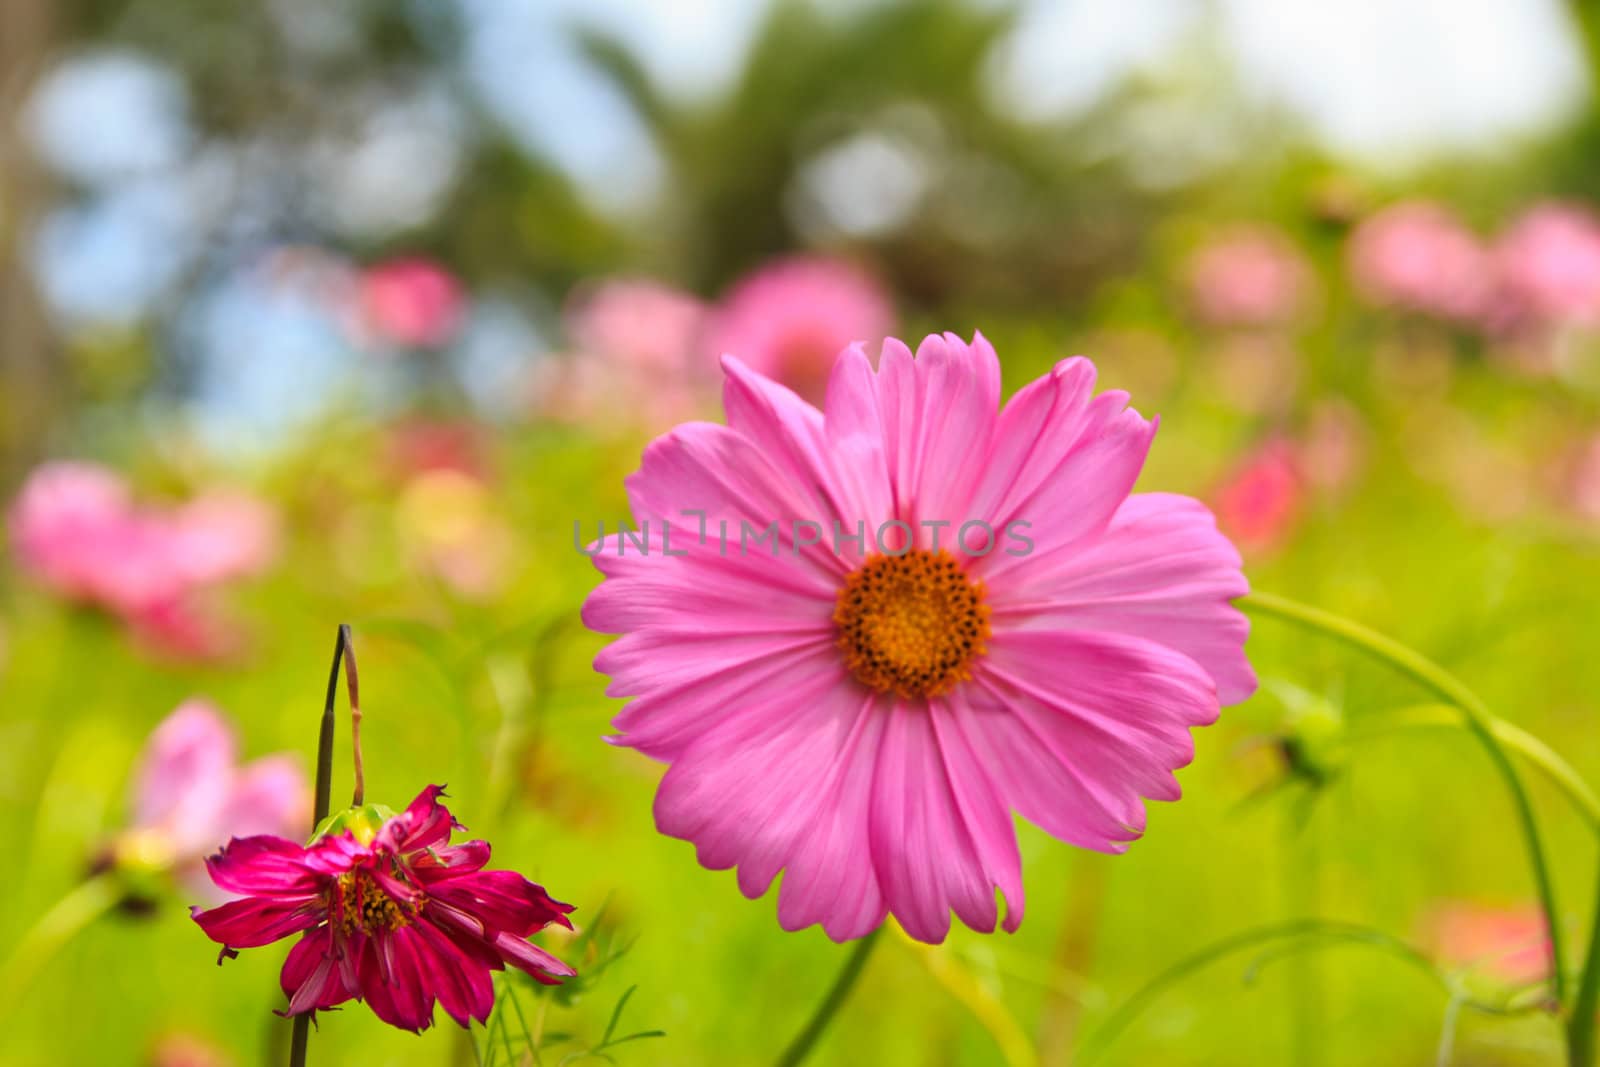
[872,130]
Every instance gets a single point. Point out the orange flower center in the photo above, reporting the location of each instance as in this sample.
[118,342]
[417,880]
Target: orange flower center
[359,903]
[911,624]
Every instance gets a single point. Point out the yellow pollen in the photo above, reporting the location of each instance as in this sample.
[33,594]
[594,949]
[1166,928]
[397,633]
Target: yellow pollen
[911,624]
[358,903]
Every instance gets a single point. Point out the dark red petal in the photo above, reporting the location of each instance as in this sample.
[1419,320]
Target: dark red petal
[264,866]
[528,957]
[335,853]
[458,977]
[393,984]
[457,859]
[256,921]
[312,978]
[424,824]
[503,900]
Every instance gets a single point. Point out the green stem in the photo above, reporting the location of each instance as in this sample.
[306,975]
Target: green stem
[1477,719]
[1580,1023]
[87,901]
[324,799]
[1543,758]
[1298,930]
[801,1046]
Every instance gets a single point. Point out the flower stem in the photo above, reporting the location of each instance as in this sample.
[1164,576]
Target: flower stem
[1477,719]
[352,685]
[1543,758]
[801,1046]
[83,905]
[324,794]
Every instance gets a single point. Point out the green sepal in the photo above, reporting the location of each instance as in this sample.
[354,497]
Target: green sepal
[363,822]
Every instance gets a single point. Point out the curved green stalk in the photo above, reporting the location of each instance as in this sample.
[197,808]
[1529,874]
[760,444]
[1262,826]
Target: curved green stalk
[801,1046]
[1477,719]
[1543,758]
[1297,929]
[87,901]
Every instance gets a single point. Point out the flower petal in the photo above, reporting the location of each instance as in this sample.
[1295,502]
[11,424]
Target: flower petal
[424,824]
[532,960]
[750,788]
[1083,742]
[394,983]
[264,866]
[927,861]
[1161,571]
[185,773]
[256,921]
[312,978]
[939,410]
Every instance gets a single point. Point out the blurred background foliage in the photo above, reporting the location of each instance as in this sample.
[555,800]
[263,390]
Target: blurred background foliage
[337,258]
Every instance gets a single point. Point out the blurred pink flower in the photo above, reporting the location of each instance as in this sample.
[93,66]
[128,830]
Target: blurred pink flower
[185,629]
[223,535]
[449,525]
[190,796]
[1332,449]
[76,528]
[1508,943]
[411,301]
[66,521]
[1549,263]
[1249,276]
[422,446]
[1258,504]
[187,1050]
[642,323]
[1417,256]
[790,318]
[1583,480]
[636,362]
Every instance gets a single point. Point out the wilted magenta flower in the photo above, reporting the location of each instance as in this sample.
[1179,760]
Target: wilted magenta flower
[1250,276]
[389,912]
[190,795]
[789,319]
[1549,263]
[953,614]
[1417,256]
[411,301]
[1257,505]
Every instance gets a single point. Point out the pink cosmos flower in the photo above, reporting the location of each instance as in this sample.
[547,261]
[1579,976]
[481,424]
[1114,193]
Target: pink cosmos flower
[1418,256]
[1250,276]
[1549,265]
[412,301]
[789,319]
[866,709]
[190,794]
[389,912]
[1259,502]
